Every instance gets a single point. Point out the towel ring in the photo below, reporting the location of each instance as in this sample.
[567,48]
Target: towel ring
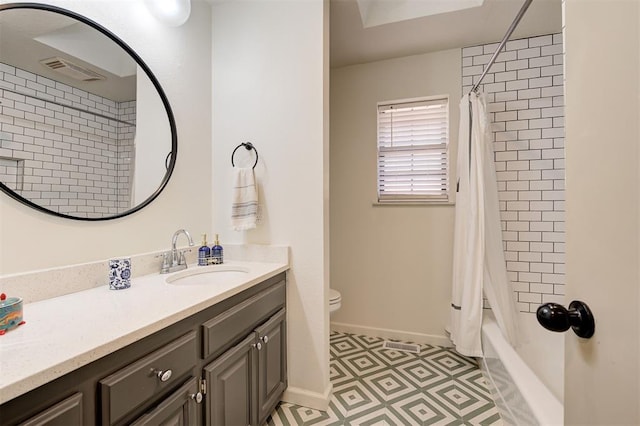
[248,146]
[167,160]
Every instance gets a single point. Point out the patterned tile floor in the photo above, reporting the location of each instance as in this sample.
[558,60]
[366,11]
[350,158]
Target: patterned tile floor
[377,386]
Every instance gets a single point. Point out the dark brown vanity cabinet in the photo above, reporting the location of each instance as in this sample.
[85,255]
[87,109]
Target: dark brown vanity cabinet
[272,364]
[64,413]
[230,390]
[179,408]
[225,365]
[248,371]
[244,384]
[133,386]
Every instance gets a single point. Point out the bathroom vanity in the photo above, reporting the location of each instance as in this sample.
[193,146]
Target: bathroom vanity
[202,355]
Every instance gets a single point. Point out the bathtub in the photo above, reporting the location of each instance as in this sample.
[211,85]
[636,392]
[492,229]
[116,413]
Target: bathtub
[521,397]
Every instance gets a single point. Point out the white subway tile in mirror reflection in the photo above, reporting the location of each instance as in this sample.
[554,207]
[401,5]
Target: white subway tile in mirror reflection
[65,160]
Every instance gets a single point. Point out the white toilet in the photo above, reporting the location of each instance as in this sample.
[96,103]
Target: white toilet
[335,300]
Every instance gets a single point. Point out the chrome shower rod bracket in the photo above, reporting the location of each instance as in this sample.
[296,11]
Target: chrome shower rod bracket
[512,27]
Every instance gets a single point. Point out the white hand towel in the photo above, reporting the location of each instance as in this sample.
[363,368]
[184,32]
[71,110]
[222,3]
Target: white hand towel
[244,210]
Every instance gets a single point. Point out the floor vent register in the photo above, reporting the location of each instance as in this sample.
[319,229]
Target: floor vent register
[406,347]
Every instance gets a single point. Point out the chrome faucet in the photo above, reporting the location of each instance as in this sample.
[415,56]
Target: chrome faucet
[172,260]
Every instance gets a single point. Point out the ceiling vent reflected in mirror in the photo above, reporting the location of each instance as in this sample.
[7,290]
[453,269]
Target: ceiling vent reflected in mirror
[105,124]
[68,68]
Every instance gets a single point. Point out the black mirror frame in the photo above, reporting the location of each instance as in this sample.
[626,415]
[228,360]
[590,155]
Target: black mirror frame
[172,124]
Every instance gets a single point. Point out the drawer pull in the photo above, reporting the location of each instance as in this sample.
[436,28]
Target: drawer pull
[197,397]
[258,345]
[163,375]
[265,339]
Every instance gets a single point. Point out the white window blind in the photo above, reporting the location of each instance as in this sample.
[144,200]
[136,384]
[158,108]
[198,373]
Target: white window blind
[413,151]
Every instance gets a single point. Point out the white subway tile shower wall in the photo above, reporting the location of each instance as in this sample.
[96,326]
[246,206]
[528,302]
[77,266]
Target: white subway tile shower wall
[524,90]
[68,161]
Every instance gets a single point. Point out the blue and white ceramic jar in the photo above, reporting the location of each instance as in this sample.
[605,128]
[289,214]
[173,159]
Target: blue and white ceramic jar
[120,273]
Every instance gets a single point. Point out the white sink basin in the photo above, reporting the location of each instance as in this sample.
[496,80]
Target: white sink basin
[209,275]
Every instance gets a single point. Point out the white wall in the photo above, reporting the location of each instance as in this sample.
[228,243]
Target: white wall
[602,92]
[269,88]
[181,60]
[392,264]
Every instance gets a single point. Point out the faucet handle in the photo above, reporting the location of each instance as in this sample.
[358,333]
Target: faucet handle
[182,260]
[166,262]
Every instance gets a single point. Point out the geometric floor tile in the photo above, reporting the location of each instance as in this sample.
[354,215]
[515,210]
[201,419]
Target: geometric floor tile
[377,386]
[388,385]
[362,363]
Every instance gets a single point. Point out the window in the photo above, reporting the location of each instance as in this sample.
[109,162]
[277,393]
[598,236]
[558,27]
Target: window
[413,151]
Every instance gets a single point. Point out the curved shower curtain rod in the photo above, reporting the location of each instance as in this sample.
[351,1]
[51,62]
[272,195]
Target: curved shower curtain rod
[512,27]
[475,87]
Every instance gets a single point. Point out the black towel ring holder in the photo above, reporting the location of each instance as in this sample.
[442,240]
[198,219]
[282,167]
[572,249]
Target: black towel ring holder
[248,146]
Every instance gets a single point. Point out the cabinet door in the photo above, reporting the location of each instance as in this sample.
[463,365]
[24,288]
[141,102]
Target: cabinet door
[64,413]
[230,386]
[272,364]
[178,409]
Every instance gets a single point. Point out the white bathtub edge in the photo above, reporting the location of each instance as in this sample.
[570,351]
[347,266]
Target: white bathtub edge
[547,409]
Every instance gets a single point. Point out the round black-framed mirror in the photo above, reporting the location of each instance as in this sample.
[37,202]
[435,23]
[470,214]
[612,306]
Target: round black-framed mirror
[59,125]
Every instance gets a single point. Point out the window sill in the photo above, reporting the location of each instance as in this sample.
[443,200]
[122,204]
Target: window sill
[413,204]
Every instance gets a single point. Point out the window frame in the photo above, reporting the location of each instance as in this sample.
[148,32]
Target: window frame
[444,150]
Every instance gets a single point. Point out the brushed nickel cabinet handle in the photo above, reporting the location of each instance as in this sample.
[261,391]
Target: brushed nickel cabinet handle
[163,375]
[197,397]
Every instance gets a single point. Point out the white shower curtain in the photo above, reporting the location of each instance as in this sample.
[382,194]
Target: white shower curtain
[478,259]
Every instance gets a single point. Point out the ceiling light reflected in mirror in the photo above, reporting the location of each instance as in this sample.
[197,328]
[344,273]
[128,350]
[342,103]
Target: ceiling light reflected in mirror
[170,12]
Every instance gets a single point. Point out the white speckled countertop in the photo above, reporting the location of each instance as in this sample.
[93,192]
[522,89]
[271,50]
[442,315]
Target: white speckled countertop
[64,333]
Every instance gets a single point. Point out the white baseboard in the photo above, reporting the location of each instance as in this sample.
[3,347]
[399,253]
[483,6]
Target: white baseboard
[385,333]
[318,401]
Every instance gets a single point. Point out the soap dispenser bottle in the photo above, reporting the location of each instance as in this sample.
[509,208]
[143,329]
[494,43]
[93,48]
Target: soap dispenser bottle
[216,253]
[204,252]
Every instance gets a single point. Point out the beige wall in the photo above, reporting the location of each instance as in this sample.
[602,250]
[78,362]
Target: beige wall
[32,240]
[602,94]
[392,265]
[269,85]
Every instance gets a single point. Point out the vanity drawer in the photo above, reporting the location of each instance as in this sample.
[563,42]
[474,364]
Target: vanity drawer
[228,328]
[139,382]
[67,412]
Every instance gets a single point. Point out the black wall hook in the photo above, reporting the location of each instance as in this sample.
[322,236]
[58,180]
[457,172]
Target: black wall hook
[248,146]
[555,317]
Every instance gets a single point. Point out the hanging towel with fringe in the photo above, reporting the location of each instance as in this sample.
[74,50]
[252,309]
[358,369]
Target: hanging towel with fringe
[244,210]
